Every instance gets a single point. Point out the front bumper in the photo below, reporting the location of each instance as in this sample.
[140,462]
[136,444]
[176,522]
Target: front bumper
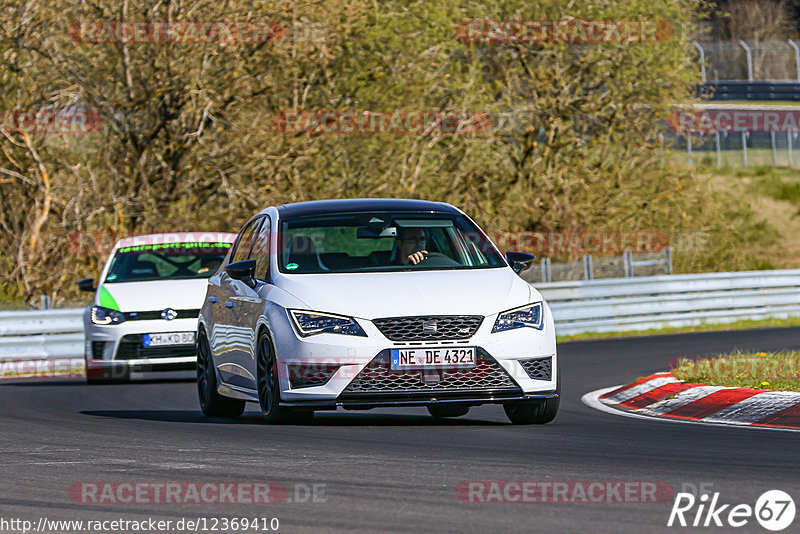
[343,360]
[116,352]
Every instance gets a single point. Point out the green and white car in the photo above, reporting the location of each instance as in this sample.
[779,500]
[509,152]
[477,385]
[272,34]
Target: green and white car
[144,315]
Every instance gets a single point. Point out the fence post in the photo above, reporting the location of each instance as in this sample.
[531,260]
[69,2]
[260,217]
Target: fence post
[774,148]
[628,264]
[667,260]
[689,148]
[796,56]
[44,302]
[789,144]
[587,266]
[719,152]
[703,61]
[749,52]
[744,147]
[546,274]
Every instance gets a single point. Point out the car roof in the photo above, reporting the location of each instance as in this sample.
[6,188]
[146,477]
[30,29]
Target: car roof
[321,207]
[176,237]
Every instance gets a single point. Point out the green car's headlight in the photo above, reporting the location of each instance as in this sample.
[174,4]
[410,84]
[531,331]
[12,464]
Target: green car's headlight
[106,316]
[530,315]
[309,323]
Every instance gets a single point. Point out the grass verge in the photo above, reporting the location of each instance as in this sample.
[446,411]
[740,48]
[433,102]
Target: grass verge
[738,325]
[759,370]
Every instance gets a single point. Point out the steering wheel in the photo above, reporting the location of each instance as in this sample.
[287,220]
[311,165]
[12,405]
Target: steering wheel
[436,259]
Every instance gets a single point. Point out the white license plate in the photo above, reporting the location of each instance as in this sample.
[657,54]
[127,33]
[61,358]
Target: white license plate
[439,357]
[168,338]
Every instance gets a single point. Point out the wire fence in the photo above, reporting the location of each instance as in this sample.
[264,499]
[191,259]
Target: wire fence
[593,267]
[739,149]
[749,60]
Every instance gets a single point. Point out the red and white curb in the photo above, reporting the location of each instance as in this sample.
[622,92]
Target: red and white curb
[664,396]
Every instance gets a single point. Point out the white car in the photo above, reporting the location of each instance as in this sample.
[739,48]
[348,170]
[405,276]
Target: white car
[370,303]
[144,315]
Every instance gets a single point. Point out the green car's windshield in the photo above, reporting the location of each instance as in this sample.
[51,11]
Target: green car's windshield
[383,241]
[166,261]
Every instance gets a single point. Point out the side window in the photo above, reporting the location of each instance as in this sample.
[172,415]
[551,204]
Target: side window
[245,242]
[261,250]
[442,239]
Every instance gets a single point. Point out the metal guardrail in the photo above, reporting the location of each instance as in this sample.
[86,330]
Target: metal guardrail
[620,304]
[604,305]
[738,90]
[41,334]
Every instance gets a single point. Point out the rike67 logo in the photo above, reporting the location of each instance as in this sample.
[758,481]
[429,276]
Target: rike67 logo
[774,510]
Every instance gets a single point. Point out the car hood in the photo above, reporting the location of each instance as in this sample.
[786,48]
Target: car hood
[155,295]
[373,295]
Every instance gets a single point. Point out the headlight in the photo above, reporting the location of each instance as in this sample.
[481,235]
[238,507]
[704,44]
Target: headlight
[309,323]
[102,315]
[529,315]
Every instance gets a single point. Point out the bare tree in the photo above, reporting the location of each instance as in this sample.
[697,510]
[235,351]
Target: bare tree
[764,25]
[188,139]
[754,20]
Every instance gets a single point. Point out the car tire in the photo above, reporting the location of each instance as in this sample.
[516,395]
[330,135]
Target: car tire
[447,410]
[269,391]
[211,402]
[534,411]
[100,377]
[93,377]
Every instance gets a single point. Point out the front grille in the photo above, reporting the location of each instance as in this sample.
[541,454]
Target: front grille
[306,376]
[131,348]
[153,315]
[429,327]
[97,349]
[378,377]
[538,369]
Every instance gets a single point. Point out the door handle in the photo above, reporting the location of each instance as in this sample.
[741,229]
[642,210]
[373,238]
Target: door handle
[212,299]
[229,304]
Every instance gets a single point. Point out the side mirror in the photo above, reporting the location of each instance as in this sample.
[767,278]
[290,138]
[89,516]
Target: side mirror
[519,261]
[87,284]
[243,270]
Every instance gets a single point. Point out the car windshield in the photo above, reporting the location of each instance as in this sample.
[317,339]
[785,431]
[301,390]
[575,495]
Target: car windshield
[383,241]
[166,261]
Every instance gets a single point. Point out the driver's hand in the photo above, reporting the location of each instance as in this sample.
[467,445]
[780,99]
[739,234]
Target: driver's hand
[417,257]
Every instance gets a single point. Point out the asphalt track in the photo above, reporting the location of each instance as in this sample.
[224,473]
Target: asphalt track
[392,470]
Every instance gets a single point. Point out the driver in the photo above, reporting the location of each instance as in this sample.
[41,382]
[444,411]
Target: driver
[207,264]
[410,245]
